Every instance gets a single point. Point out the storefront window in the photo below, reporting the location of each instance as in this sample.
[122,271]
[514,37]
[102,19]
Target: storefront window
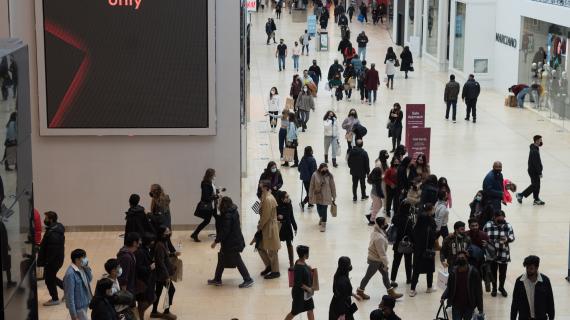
[543,64]
[459,46]
[432,27]
[411,10]
[390,15]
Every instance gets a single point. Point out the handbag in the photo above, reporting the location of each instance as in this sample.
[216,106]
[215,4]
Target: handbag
[442,277]
[360,18]
[229,260]
[349,136]
[333,209]
[315,276]
[397,63]
[405,246]
[443,310]
[390,125]
[204,209]
[288,154]
[353,308]
[352,83]
[291,277]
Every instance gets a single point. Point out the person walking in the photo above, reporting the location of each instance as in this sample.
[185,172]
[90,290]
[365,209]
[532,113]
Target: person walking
[364,12]
[146,273]
[334,69]
[274,105]
[348,125]
[376,192]
[269,31]
[159,207]
[269,228]
[424,254]
[532,296]
[122,304]
[77,285]
[296,87]
[281,54]
[210,195]
[372,81]
[295,53]
[127,261]
[534,171]
[283,131]
[407,64]
[391,181]
[307,167]
[362,41]
[232,243]
[469,94]
[164,271]
[464,291]
[390,72]
[302,286]
[361,77]
[305,103]
[403,221]
[493,187]
[341,306]
[324,19]
[500,236]
[450,97]
[322,192]
[102,303]
[51,255]
[441,216]
[330,124]
[306,38]
[390,55]
[291,140]
[278,9]
[395,125]
[315,73]
[349,82]
[350,12]
[378,260]
[273,175]
[287,222]
[359,165]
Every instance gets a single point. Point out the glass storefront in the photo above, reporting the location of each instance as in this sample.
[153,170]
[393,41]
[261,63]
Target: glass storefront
[459,46]
[390,16]
[543,62]
[432,27]
[411,11]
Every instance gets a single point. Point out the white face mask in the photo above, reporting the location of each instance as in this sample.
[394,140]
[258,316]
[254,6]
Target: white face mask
[84,262]
[273,170]
[119,272]
[114,290]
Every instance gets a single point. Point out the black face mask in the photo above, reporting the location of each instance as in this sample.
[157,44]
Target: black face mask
[385,227]
[540,144]
[500,222]
[350,268]
[462,262]
[47,223]
[151,194]
[496,171]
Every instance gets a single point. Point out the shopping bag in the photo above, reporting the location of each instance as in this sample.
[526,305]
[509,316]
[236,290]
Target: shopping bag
[442,277]
[178,268]
[442,310]
[315,275]
[291,276]
[288,154]
[289,103]
[166,301]
[352,83]
[360,18]
[333,210]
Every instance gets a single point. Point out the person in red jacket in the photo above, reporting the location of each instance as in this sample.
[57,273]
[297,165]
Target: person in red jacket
[372,81]
[37,227]
[391,180]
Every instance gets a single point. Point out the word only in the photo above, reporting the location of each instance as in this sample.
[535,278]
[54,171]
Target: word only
[125,3]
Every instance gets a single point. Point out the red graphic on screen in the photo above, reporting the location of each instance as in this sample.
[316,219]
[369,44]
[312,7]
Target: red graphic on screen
[79,77]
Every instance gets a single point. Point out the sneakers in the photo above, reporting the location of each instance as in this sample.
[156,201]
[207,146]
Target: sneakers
[538,202]
[195,238]
[364,197]
[430,290]
[214,282]
[392,293]
[413,293]
[265,272]
[360,293]
[519,198]
[51,303]
[323,227]
[354,199]
[246,284]
[503,292]
[272,275]
[156,315]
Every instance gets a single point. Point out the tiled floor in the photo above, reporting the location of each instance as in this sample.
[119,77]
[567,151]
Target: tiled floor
[462,152]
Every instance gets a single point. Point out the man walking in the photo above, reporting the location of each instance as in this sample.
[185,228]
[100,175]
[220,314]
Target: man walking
[532,296]
[464,291]
[493,187]
[362,40]
[450,97]
[470,93]
[315,73]
[535,173]
[359,165]
[268,30]
[269,228]
[77,283]
[500,234]
[51,255]
[281,54]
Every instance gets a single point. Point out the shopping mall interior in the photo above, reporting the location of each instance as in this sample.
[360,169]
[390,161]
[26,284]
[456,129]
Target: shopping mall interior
[102,100]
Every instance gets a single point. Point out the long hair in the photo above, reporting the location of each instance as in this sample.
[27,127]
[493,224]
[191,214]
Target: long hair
[343,267]
[276,92]
[209,175]
[326,116]
[159,198]
[270,164]
[226,204]
[355,113]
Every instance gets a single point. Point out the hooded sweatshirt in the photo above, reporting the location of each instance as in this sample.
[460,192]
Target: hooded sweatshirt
[137,221]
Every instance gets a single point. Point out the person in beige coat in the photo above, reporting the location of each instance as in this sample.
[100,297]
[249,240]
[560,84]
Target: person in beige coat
[378,259]
[322,192]
[269,228]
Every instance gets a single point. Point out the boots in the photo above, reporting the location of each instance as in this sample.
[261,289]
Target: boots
[360,293]
[392,293]
[326,158]
[334,162]
[290,252]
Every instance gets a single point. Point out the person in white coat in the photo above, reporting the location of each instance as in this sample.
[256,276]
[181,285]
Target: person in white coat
[330,123]
[273,107]
[390,72]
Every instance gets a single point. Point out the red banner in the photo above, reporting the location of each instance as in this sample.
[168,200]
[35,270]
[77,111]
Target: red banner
[415,118]
[419,142]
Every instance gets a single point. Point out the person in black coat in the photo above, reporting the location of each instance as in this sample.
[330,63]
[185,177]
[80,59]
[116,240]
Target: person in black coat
[341,303]
[335,68]
[404,224]
[395,126]
[359,165]
[210,195]
[469,94]
[288,224]
[232,244]
[52,254]
[407,61]
[424,254]
[136,218]
[429,190]
[145,274]
[464,291]
[534,171]
[404,180]
[307,167]
[101,304]
[493,187]
[543,296]
[271,174]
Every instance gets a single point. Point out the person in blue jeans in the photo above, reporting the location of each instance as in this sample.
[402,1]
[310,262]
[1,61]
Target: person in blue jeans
[77,285]
[283,131]
[450,96]
[520,97]
[322,192]
[281,54]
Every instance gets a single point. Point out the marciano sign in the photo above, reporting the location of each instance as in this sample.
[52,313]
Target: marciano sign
[562,3]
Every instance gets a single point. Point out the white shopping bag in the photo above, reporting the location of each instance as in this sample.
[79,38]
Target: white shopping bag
[442,277]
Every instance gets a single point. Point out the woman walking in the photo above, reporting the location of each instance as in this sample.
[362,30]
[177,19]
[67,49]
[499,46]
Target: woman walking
[307,167]
[349,80]
[424,254]
[382,160]
[347,125]
[341,306]
[159,207]
[292,140]
[395,125]
[390,72]
[232,244]
[322,192]
[305,103]
[283,131]
[330,123]
[295,53]
[375,180]
[274,105]
[210,195]
[273,175]
[404,224]
[390,182]
[407,61]
[302,286]
[296,86]
[287,221]
[164,272]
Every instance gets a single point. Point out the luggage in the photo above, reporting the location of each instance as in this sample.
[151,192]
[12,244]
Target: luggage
[178,268]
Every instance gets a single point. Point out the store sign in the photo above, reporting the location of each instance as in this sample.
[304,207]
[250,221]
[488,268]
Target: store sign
[415,118]
[506,40]
[251,5]
[419,143]
[562,3]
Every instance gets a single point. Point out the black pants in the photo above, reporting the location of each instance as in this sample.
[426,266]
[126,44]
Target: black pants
[534,187]
[240,266]
[451,104]
[363,91]
[471,108]
[295,156]
[391,200]
[502,268]
[52,281]
[273,116]
[203,224]
[158,292]
[396,266]
[416,277]
[306,184]
[355,181]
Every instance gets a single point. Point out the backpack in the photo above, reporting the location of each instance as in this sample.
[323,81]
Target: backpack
[359,130]
[301,40]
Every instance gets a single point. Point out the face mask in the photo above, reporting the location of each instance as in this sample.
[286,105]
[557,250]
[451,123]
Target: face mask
[84,262]
[350,268]
[151,194]
[305,90]
[462,262]
[497,171]
[353,114]
[478,198]
[500,221]
[324,172]
[113,291]
[385,227]
[47,223]
[119,272]
[540,144]
[273,170]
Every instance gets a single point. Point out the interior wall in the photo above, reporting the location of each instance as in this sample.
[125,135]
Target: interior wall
[479,38]
[4,21]
[88,180]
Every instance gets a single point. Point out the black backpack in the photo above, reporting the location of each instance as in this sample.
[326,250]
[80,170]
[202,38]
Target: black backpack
[359,130]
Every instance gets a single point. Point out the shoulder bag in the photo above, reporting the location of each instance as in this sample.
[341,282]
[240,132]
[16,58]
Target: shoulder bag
[204,209]
[406,246]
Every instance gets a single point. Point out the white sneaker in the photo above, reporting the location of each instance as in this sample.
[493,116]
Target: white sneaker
[430,290]
[413,293]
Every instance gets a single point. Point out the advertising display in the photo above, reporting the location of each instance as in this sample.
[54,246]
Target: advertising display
[126,67]
[415,118]
[312,25]
[419,142]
